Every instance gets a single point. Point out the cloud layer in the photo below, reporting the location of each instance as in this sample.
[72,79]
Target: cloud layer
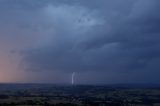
[104,41]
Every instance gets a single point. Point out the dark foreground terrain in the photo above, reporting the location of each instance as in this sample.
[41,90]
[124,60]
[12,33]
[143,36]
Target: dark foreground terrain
[77,95]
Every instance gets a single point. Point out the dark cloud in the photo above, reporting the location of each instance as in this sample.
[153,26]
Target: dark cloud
[120,38]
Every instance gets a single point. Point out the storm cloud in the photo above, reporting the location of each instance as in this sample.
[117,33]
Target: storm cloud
[105,40]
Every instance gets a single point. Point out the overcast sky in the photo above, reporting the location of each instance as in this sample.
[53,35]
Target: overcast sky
[102,41]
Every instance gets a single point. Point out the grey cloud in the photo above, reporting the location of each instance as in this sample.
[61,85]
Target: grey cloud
[94,36]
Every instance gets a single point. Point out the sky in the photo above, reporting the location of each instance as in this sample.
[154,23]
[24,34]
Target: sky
[101,41]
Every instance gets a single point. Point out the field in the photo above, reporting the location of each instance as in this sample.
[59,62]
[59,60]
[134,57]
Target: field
[77,95]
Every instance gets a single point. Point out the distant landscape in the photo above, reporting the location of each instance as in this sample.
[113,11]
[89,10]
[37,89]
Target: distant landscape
[78,95]
[79,52]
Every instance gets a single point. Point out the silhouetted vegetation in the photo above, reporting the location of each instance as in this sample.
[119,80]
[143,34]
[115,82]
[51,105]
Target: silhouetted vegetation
[54,95]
